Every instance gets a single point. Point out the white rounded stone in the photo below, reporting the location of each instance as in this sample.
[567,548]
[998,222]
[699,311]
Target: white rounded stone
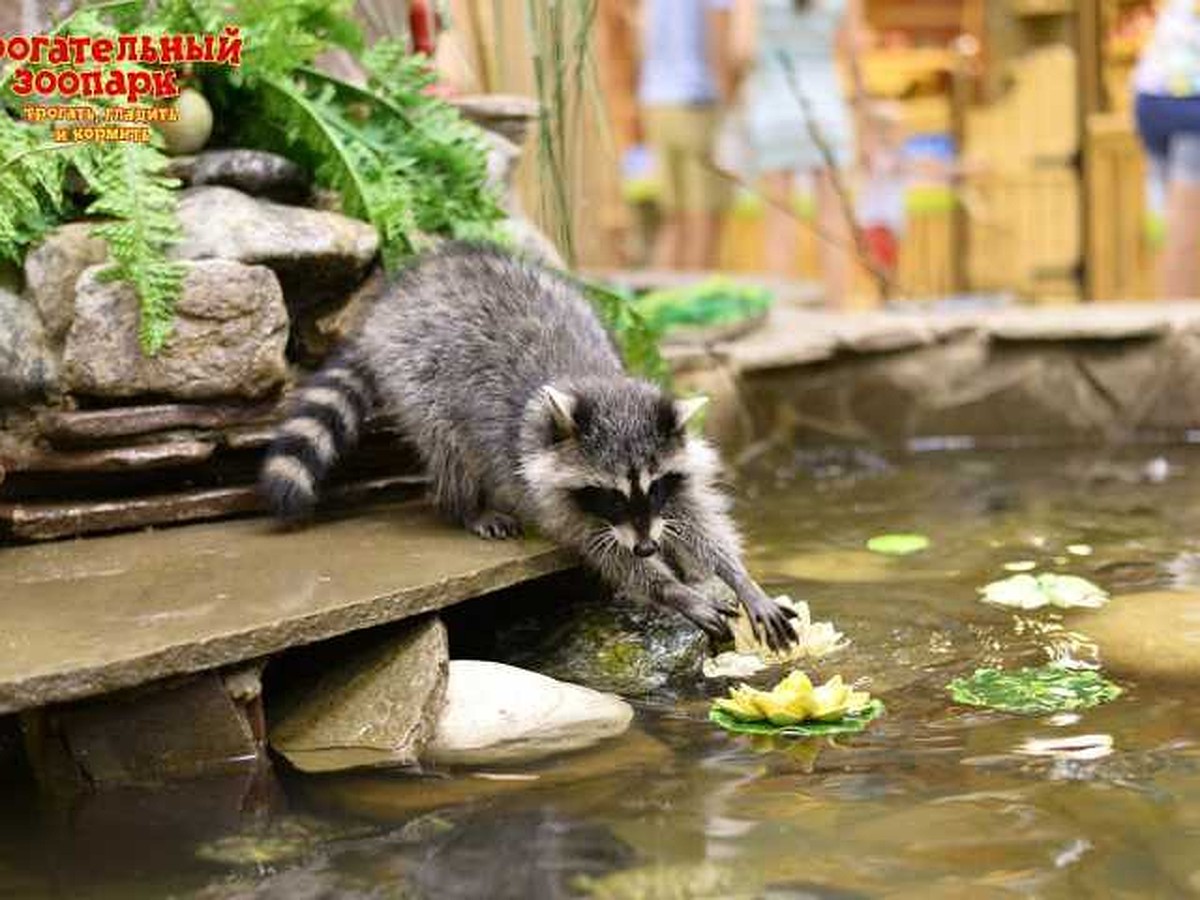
[495,713]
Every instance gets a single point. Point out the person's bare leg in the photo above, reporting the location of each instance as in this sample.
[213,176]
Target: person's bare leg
[837,243]
[668,243]
[781,224]
[1179,266]
[701,234]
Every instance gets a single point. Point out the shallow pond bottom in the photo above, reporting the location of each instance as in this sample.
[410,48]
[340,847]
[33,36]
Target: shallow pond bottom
[933,800]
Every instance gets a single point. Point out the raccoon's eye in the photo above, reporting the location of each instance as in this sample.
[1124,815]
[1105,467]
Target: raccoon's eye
[603,503]
[664,488]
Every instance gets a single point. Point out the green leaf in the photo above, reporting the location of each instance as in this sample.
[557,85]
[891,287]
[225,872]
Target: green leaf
[1034,691]
[849,724]
[636,338]
[714,301]
[898,544]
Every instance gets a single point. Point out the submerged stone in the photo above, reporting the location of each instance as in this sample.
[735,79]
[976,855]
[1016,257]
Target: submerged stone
[609,645]
[675,880]
[1154,634]
[501,714]
[574,780]
[852,567]
[377,708]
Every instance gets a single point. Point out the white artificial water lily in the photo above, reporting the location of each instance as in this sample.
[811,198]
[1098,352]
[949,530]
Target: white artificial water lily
[749,655]
[1027,591]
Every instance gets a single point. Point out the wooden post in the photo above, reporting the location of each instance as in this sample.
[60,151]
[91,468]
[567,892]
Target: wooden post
[1091,100]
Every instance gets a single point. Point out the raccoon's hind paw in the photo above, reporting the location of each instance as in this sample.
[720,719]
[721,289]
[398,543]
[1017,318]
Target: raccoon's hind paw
[495,526]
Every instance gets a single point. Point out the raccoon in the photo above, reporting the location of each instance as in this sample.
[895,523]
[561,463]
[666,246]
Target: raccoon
[515,397]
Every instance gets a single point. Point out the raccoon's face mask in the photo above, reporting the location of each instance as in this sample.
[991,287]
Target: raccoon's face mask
[620,460]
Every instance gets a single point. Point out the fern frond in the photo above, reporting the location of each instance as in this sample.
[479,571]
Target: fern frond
[31,186]
[139,204]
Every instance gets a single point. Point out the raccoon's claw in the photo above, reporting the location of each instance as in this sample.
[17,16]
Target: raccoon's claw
[495,526]
[771,623]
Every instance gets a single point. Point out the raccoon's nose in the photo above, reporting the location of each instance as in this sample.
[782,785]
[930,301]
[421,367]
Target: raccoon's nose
[645,548]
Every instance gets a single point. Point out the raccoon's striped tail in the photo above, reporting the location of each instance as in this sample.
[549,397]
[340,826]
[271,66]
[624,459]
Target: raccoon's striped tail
[323,423]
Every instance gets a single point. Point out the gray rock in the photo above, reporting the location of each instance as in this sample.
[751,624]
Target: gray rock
[377,708]
[509,115]
[230,332]
[501,714]
[51,270]
[27,366]
[318,256]
[162,733]
[255,172]
[611,645]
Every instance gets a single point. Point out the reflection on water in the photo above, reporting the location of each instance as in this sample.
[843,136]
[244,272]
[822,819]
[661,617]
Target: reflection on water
[933,801]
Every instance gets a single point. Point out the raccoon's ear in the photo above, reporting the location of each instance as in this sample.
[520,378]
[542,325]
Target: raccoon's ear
[688,409]
[562,410]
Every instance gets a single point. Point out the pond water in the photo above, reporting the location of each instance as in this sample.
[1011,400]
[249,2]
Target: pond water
[934,800]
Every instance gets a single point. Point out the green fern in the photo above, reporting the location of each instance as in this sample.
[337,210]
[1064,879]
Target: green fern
[405,161]
[139,203]
[636,338]
[31,186]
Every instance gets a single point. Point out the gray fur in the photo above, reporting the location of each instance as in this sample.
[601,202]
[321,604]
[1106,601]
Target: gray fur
[501,375]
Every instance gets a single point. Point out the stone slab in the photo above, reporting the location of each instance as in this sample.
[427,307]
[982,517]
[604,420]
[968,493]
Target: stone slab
[115,459]
[83,618]
[34,521]
[86,426]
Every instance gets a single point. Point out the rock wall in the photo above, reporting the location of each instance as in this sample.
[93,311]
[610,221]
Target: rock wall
[1106,373]
[274,277]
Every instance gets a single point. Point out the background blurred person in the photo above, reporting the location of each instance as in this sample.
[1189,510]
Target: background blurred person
[685,75]
[785,46]
[1167,87]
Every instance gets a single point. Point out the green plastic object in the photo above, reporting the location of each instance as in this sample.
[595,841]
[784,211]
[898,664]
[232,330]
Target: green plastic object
[851,723]
[714,301]
[898,544]
[1034,691]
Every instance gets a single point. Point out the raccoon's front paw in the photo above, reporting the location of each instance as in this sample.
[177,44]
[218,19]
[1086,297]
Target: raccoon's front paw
[710,614]
[495,526]
[771,622]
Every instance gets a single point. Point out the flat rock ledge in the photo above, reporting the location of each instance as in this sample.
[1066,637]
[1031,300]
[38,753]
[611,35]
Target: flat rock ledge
[184,600]
[1104,371]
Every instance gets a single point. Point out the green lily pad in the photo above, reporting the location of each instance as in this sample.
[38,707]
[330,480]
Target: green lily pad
[898,544]
[848,724]
[1034,691]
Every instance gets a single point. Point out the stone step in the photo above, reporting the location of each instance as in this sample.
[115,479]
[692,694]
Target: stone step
[85,617]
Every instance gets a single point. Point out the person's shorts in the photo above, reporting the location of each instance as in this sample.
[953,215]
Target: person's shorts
[682,138]
[1170,131]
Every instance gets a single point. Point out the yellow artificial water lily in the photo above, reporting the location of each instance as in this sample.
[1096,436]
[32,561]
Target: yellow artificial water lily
[794,700]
